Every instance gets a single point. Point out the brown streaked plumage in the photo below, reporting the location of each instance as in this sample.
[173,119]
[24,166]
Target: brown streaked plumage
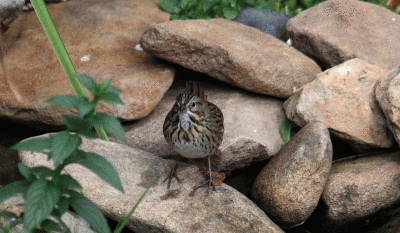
[194,126]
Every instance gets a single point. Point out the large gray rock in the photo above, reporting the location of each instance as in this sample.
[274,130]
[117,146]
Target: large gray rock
[178,209]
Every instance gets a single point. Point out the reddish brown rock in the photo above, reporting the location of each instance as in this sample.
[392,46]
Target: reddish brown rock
[105,33]
[343,99]
[359,189]
[335,31]
[289,187]
[387,93]
[233,53]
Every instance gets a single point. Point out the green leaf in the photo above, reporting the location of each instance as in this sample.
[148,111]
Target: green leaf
[69,183]
[16,222]
[286,130]
[171,6]
[186,4]
[40,199]
[50,225]
[63,144]
[88,82]
[110,124]
[229,13]
[8,214]
[85,107]
[208,4]
[32,144]
[24,170]
[63,205]
[79,126]
[89,211]
[68,101]
[99,165]
[41,172]
[178,17]
[12,189]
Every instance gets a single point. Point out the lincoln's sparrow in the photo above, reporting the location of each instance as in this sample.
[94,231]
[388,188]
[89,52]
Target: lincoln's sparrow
[194,127]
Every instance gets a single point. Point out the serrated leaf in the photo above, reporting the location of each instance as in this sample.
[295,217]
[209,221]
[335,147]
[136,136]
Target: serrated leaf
[286,130]
[114,90]
[63,144]
[14,188]
[69,183]
[32,144]
[88,82]
[67,101]
[171,6]
[109,124]
[89,211]
[8,214]
[50,225]
[79,126]
[24,170]
[99,165]
[40,199]
[101,87]
[186,4]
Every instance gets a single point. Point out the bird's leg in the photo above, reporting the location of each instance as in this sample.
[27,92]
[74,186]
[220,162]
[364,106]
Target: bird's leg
[171,175]
[208,182]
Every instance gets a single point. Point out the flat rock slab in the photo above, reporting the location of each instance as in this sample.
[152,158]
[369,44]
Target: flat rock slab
[176,210]
[335,31]
[252,127]
[231,52]
[387,93]
[343,99]
[100,36]
[289,187]
[360,188]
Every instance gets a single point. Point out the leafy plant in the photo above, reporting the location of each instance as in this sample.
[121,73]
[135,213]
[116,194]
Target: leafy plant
[207,9]
[229,9]
[287,131]
[48,192]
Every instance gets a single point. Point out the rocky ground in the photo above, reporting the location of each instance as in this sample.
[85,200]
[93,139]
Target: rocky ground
[337,78]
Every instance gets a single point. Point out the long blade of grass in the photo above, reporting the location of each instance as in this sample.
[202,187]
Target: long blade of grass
[58,46]
[122,224]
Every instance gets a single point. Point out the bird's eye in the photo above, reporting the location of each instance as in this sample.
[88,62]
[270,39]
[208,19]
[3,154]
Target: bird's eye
[193,105]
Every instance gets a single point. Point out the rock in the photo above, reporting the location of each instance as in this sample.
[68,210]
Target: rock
[343,99]
[359,189]
[267,21]
[387,93]
[178,209]
[349,29]
[102,48]
[252,127]
[9,10]
[289,187]
[233,53]
[75,223]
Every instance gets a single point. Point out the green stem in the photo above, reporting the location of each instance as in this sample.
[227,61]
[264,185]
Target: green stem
[62,54]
